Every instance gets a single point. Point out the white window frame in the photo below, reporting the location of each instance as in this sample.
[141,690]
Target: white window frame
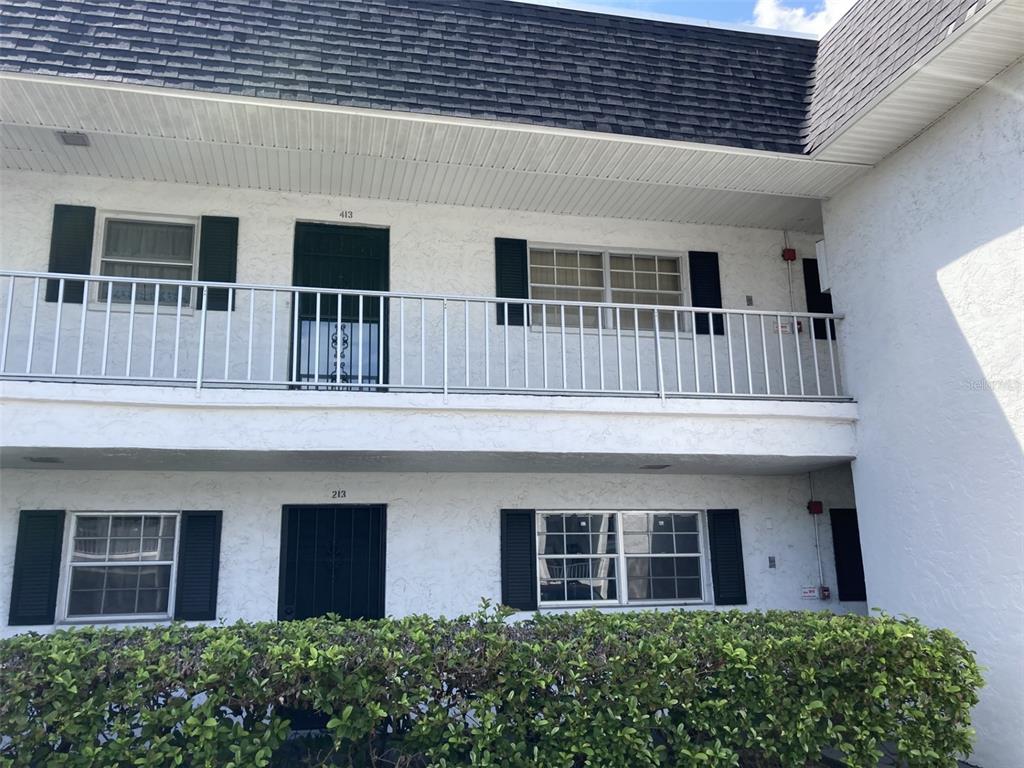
[67,565]
[98,240]
[606,291]
[620,556]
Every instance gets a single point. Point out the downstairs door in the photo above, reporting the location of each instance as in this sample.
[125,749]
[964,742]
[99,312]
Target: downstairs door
[849,563]
[332,561]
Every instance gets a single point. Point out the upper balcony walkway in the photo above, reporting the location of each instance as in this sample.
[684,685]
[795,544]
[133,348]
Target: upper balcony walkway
[120,330]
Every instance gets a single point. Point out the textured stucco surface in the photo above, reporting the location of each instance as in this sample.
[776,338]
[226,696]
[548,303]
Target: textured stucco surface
[442,529]
[434,248]
[926,255]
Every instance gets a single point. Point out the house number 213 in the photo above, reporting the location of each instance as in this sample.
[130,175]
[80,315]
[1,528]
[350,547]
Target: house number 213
[338,493]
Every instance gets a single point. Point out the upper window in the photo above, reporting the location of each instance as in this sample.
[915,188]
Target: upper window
[121,565]
[154,249]
[604,276]
[619,557]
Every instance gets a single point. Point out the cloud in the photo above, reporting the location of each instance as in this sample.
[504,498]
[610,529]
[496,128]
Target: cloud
[778,14]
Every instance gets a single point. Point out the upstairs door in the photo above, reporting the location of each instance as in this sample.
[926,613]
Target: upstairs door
[332,561]
[849,564]
[341,342]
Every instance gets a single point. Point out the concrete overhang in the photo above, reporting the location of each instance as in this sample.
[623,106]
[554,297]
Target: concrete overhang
[111,427]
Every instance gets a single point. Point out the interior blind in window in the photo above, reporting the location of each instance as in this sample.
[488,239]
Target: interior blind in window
[568,275]
[147,249]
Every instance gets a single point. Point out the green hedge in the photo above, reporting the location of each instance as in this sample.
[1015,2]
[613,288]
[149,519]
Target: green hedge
[616,690]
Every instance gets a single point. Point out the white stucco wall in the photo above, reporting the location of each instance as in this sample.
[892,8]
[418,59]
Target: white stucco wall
[926,255]
[442,529]
[433,249]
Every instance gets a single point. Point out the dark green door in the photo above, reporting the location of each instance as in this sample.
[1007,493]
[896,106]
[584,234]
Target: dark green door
[332,561]
[347,343]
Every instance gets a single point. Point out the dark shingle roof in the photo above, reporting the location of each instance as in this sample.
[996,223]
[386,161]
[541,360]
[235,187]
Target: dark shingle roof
[874,43]
[471,58]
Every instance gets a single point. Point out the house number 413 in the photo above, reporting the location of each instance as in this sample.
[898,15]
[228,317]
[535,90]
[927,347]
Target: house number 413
[346,214]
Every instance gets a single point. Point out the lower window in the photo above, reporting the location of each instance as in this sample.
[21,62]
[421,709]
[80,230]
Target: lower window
[619,557]
[121,565]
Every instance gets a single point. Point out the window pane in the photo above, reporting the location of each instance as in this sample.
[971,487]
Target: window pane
[154,576]
[644,263]
[647,282]
[87,527]
[551,590]
[542,257]
[124,549]
[108,590]
[668,265]
[117,601]
[123,525]
[622,279]
[622,262]
[568,277]
[148,241]
[544,275]
[687,543]
[668,282]
[114,590]
[85,603]
[152,601]
[591,260]
[567,259]
[685,523]
[88,578]
[89,549]
[144,293]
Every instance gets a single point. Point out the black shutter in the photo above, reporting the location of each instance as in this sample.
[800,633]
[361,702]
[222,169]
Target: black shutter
[817,301]
[727,557]
[218,258]
[36,567]
[849,563]
[706,288]
[70,249]
[519,559]
[198,566]
[511,277]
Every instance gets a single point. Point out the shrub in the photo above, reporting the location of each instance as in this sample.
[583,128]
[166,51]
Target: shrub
[613,690]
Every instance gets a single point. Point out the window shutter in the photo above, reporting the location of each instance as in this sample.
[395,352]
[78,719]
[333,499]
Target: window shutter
[70,249]
[198,565]
[511,277]
[727,557]
[817,300]
[519,559]
[218,258]
[36,567]
[706,288]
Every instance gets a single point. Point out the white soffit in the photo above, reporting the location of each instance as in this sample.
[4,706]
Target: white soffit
[163,135]
[988,42]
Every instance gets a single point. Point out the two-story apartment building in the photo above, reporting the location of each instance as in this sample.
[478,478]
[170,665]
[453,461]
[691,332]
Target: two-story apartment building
[378,308]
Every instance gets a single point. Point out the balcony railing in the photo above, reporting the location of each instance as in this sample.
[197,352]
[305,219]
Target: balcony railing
[79,328]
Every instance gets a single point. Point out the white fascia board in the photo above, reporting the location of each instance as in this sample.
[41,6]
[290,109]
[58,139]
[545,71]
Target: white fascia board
[415,117]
